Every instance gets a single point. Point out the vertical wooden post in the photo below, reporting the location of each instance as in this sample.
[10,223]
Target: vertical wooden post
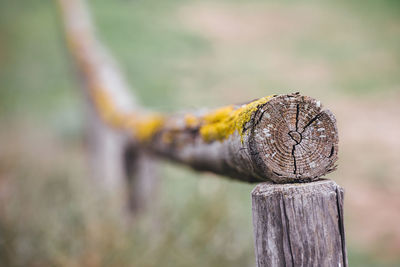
[106,90]
[299,224]
[105,148]
[142,178]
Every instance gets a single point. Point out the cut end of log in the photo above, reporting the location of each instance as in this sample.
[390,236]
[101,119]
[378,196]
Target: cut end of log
[294,138]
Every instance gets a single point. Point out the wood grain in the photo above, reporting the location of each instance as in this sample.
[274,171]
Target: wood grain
[299,224]
[285,139]
[288,139]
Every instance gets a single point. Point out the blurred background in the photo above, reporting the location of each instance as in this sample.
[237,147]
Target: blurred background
[181,55]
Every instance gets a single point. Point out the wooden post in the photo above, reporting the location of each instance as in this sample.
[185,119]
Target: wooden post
[299,224]
[116,161]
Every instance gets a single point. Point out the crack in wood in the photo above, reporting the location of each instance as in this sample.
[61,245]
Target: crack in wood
[312,120]
[331,153]
[339,201]
[287,230]
[296,136]
[294,159]
[299,225]
[297,117]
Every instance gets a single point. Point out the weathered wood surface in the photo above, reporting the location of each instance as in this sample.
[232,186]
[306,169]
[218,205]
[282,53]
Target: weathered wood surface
[285,138]
[289,138]
[299,224]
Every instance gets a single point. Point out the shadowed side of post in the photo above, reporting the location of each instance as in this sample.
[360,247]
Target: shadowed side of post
[299,224]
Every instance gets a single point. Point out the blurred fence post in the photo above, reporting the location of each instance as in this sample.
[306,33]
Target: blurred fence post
[104,84]
[105,148]
[299,224]
[142,177]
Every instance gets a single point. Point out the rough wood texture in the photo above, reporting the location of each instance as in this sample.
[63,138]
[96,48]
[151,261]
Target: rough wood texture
[287,139]
[284,139]
[299,224]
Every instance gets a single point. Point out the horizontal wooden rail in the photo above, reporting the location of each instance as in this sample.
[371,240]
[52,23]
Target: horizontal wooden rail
[285,138]
[279,138]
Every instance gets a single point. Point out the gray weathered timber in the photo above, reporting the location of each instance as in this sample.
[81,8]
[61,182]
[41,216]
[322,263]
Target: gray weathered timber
[299,224]
[281,138]
[291,138]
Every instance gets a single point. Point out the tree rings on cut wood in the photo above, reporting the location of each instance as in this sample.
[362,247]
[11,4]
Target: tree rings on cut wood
[293,139]
[284,139]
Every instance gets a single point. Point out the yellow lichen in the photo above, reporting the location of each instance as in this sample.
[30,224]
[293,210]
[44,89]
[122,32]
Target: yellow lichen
[218,115]
[223,122]
[147,127]
[143,127]
[191,121]
[215,126]
[104,105]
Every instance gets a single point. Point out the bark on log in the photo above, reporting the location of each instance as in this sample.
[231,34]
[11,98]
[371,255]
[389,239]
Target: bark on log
[287,138]
[299,224]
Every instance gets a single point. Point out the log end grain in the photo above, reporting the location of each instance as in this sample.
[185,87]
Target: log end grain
[293,139]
